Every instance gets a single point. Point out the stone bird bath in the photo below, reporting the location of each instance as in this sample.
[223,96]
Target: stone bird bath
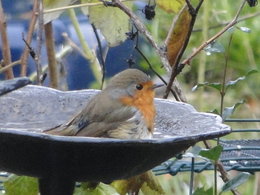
[59,161]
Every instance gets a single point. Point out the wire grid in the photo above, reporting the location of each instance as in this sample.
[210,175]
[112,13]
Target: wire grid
[240,155]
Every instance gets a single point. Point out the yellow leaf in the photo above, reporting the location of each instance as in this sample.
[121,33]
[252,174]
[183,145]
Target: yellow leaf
[178,34]
[170,6]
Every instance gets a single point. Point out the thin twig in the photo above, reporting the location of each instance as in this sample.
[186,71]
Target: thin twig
[39,42]
[157,74]
[75,6]
[6,53]
[74,45]
[142,29]
[5,68]
[178,67]
[53,72]
[232,23]
[100,56]
[25,54]
[246,17]
[67,49]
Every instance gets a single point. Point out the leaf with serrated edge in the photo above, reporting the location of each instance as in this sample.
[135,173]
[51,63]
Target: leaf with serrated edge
[112,22]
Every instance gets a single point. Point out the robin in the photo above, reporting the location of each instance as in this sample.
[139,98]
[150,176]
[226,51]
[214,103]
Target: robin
[124,110]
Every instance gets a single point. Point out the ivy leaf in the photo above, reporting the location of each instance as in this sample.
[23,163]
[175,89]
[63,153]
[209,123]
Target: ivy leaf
[170,6]
[214,47]
[178,35]
[112,22]
[244,29]
[232,83]
[216,86]
[228,111]
[213,153]
[241,178]
[202,191]
[22,185]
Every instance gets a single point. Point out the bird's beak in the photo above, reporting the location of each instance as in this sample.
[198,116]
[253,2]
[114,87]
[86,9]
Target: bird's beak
[156,86]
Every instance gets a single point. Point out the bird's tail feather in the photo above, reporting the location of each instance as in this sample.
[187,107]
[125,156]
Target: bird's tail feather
[62,130]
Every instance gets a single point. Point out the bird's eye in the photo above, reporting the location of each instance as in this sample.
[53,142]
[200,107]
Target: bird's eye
[139,86]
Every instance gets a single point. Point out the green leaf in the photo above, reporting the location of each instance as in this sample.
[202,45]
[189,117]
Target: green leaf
[21,185]
[202,191]
[241,178]
[232,83]
[216,86]
[170,6]
[213,153]
[51,4]
[214,47]
[111,21]
[244,29]
[214,111]
[228,111]
[101,189]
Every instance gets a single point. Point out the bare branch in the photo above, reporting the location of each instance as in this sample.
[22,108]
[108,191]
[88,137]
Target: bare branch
[5,44]
[25,54]
[53,72]
[6,67]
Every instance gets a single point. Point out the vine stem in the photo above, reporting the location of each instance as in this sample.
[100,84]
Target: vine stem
[90,55]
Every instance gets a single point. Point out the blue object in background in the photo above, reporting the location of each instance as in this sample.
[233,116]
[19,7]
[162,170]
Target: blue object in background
[78,73]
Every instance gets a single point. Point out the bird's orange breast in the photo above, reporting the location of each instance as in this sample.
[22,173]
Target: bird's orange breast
[143,100]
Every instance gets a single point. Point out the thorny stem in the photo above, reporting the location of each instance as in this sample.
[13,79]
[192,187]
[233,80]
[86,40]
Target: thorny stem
[6,53]
[25,54]
[142,29]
